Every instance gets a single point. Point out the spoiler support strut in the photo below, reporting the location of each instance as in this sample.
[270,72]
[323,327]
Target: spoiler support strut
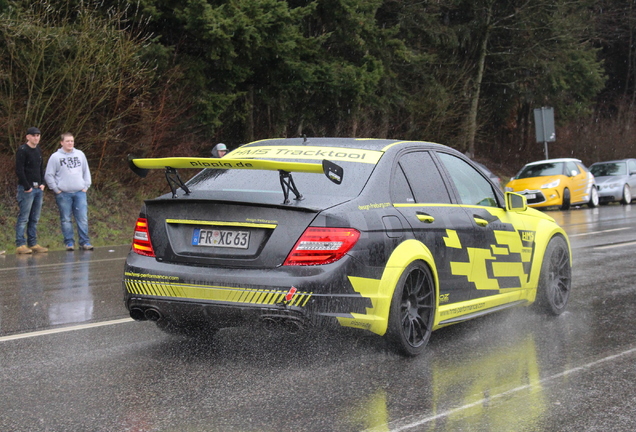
[174,181]
[287,183]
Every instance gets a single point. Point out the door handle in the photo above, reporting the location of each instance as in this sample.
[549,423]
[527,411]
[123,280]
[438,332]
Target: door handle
[422,217]
[480,221]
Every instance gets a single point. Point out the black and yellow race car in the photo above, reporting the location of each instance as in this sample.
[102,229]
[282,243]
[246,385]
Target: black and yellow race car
[398,238]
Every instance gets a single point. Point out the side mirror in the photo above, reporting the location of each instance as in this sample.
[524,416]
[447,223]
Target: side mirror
[574,173]
[515,202]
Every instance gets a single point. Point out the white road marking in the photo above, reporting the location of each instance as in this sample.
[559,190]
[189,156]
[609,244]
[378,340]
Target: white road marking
[64,329]
[405,424]
[598,232]
[611,246]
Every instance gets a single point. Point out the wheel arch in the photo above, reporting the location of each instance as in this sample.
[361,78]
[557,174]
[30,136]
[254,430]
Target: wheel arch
[542,244]
[402,256]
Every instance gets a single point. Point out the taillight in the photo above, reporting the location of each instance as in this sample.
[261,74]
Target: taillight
[322,246]
[141,239]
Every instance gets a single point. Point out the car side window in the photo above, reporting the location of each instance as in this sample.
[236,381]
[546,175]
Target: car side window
[631,167]
[473,188]
[424,178]
[400,189]
[571,166]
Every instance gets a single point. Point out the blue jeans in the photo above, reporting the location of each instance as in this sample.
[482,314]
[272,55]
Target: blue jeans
[73,203]
[30,204]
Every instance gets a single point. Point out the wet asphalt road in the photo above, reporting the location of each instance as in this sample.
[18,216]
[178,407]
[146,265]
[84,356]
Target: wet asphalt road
[71,360]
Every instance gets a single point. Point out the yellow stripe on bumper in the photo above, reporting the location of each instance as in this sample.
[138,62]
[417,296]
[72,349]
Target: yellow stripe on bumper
[215,293]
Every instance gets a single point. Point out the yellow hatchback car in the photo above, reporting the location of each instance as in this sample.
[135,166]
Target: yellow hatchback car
[555,182]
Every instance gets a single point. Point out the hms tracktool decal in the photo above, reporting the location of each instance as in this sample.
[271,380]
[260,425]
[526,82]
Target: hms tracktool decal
[333,154]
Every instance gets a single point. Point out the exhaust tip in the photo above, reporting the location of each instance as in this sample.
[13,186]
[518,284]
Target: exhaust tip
[152,315]
[137,314]
[287,323]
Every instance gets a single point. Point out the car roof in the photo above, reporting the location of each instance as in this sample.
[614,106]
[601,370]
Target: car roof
[377,144]
[554,160]
[386,151]
[614,161]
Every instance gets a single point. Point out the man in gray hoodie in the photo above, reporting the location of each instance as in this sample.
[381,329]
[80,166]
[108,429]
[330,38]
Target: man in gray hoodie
[67,175]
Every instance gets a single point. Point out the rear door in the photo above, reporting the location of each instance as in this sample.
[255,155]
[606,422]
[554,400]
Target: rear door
[419,192]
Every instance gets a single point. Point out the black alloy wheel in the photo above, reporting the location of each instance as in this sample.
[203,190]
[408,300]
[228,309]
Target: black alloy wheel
[412,310]
[555,280]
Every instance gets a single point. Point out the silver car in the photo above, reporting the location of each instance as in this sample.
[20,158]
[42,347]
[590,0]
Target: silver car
[615,180]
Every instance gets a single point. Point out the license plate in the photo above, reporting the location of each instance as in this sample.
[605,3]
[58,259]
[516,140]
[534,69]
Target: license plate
[221,238]
[531,196]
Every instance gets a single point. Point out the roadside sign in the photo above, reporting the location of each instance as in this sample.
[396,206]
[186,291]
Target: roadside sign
[544,126]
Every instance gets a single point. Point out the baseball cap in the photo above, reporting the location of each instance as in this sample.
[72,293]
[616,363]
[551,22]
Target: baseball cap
[217,148]
[33,131]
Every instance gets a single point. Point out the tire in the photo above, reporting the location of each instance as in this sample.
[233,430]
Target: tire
[412,310]
[593,202]
[555,280]
[190,329]
[627,195]
[565,204]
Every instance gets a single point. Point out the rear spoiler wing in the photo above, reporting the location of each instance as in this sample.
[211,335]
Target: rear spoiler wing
[141,166]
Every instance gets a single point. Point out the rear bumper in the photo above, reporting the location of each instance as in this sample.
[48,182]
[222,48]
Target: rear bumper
[216,316]
[230,297]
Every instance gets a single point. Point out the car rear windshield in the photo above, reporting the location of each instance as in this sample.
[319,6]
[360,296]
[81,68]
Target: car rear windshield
[541,170]
[354,178]
[609,169]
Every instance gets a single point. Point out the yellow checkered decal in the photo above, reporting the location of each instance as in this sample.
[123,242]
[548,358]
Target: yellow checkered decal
[215,293]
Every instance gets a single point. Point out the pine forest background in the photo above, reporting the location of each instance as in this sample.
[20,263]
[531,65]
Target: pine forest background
[160,78]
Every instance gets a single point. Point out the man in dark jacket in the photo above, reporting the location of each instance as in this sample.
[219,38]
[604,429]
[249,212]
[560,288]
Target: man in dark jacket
[29,167]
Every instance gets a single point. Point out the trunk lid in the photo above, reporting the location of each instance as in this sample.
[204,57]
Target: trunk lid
[224,234]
